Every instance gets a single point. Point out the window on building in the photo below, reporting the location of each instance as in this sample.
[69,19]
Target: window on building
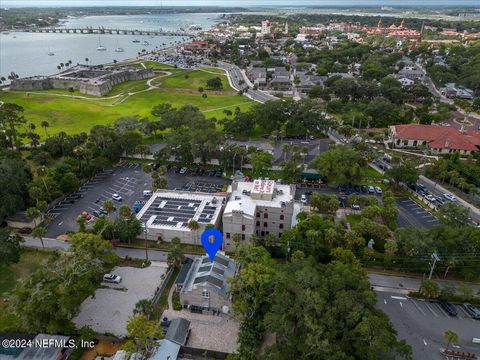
[265,224]
[228,235]
[243,227]
[258,223]
[243,236]
[405,142]
[398,142]
[415,143]
[279,235]
[280,226]
[265,216]
[262,233]
[282,217]
[258,214]
[205,294]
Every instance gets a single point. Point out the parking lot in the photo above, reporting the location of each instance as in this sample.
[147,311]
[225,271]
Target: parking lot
[108,310]
[410,214]
[127,180]
[422,324]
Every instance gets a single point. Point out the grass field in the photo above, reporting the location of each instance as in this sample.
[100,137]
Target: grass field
[75,113]
[193,79]
[30,260]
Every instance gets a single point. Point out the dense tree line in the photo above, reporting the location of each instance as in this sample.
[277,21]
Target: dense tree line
[316,310]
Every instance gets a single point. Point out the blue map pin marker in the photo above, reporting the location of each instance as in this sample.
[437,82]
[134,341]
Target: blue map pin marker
[212,247]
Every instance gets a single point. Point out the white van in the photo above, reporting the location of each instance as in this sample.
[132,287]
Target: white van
[147,193]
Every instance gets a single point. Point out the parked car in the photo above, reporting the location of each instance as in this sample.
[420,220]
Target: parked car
[440,200]
[449,197]
[472,310]
[112,278]
[356,188]
[449,308]
[355,207]
[430,198]
[183,170]
[421,188]
[116,197]
[371,189]
[303,199]
[364,188]
[25,230]
[96,213]
[378,190]
[147,193]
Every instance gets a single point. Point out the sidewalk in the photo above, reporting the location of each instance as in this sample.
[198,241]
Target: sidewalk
[411,283]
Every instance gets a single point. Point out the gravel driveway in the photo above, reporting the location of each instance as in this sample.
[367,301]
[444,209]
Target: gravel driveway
[108,311]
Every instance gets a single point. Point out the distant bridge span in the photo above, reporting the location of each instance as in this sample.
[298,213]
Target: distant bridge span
[101,31]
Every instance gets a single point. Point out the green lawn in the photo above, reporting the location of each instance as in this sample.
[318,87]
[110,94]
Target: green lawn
[30,260]
[74,115]
[195,79]
[354,219]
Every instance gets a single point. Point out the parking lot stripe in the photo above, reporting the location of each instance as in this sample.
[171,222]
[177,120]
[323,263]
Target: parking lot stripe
[429,308]
[441,310]
[418,307]
[467,316]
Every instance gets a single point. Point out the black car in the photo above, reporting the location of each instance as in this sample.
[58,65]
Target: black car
[449,308]
[356,188]
[364,188]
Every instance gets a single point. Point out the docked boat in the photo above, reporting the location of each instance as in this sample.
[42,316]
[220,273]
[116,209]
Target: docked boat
[136,41]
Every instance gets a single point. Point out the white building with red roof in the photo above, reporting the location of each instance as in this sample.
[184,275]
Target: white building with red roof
[439,139]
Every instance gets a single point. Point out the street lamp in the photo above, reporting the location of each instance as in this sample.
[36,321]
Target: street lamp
[435,258]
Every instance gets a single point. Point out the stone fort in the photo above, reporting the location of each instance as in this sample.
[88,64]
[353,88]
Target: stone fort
[92,80]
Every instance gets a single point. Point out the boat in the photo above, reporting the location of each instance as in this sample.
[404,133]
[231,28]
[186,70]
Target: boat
[118,48]
[100,46]
[145,43]
[136,41]
[50,53]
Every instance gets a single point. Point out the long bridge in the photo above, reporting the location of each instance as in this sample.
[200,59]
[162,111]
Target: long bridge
[102,30]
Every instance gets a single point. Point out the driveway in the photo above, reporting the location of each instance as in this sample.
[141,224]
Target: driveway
[112,304]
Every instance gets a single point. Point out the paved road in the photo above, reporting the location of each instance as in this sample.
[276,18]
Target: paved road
[236,75]
[155,255]
[410,214]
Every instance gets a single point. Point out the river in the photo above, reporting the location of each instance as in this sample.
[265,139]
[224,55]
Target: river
[26,54]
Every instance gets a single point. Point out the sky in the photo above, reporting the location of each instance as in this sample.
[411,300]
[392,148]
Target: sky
[224,3]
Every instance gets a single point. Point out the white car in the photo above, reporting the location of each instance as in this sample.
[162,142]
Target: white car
[356,207]
[430,198]
[183,170]
[371,190]
[303,199]
[378,190]
[112,278]
[116,197]
[449,197]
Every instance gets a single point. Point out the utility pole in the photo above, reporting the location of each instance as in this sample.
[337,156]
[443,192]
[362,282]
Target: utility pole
[146,241]
[435,258]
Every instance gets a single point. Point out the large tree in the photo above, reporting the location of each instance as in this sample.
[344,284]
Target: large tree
[328,312]
[9,247]
[15,177]
[341,165]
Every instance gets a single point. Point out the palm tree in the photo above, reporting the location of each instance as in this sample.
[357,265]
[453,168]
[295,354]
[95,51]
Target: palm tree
[125,212]
[450,337]
[44,124]
[193,225]
[33,213]
[42,172]
[81,220]
[39,232]
[108,206]
[86,60]
[59,67]
[79,153]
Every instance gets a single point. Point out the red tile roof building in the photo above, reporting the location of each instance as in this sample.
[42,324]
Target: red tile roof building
[439,139]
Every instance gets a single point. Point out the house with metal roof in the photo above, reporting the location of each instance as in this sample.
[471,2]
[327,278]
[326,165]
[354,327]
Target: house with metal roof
[206,286]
